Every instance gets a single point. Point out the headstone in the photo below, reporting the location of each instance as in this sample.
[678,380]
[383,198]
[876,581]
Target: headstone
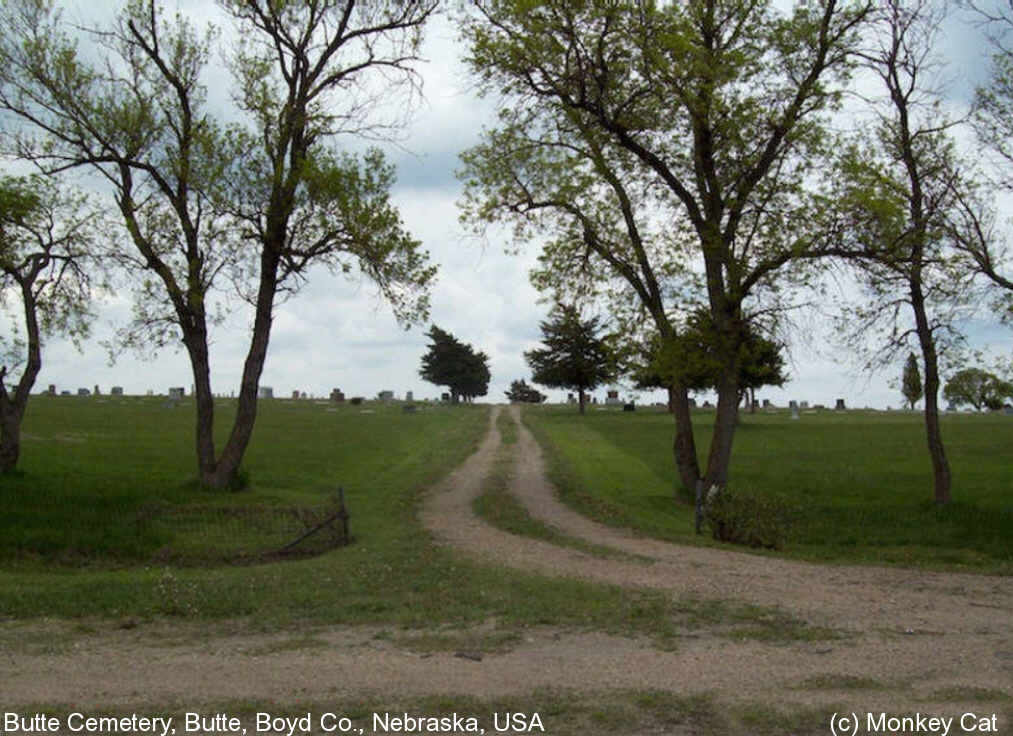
[65,393]
[803,405]
[708,405]
[337,395]
[356,400]
[629,407]
[840,405]
[756,403]
[176,392]
[793,404]
[692,403]
[794,410]
[52,389]
[409,396]
[571,399]
[295,394]
[766,403]
[96,391]
[83,392]
[445,397]
[265,392]
[116,390]
[302,395]
[408,408]
[612,397]
[385,396]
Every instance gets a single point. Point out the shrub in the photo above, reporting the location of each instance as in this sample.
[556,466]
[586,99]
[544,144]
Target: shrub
[748,518]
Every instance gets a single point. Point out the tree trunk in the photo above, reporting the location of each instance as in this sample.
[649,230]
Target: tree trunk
[12,408]
[226,471]
[684,445]
[197,347]
[725,421]
[671,400]
[580,398]
[940,466]
[10,436]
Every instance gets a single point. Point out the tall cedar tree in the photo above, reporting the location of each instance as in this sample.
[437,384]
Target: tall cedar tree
[47,239]
[456,365]
[912,381]
[649,140]
[210,204]
[574,356]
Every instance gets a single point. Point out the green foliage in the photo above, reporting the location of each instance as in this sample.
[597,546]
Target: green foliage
[574,356]
[748,518]
[521,392]
[694,356]
[979,388]
[454,364]
[911,381]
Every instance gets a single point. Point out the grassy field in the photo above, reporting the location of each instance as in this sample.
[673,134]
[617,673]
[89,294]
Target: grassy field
[88,465]
[859,481]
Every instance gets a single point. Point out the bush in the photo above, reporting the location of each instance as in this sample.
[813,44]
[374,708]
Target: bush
[750,519]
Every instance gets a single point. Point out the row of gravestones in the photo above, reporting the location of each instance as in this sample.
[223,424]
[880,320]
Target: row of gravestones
[114,391]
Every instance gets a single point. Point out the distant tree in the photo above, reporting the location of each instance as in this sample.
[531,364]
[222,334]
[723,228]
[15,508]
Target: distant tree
[977,387]
[912,381]
[456,365]
[46,236]
[521,392]
[574,356]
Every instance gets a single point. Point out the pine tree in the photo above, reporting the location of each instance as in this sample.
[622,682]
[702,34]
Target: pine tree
[574,356]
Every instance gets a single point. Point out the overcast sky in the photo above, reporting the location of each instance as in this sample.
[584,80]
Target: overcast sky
[337,334]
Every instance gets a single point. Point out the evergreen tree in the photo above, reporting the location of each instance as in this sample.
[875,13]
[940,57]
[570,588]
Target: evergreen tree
[574,356]
[912,381]
[456,365]
[520,392]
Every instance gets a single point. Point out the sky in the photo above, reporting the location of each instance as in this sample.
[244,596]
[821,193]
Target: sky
[336,333]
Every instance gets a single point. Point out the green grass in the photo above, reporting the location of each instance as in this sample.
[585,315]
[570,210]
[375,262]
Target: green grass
[127,454]
[861,481]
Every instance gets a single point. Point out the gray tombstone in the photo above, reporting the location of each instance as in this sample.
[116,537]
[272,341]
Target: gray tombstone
[794,409]
[408,408]
[83,392]
[177,392]
[65,393]
[692,403]
[840,405]
[116,391]
[96,391]
[337,395]
[629,407]
[52,389]
[265,392]
[385,396]
[766,403]
[409,396]
[356,400]
[803,405]
[612,398]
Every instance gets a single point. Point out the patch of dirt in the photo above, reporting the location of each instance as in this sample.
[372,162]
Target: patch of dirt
[913,633]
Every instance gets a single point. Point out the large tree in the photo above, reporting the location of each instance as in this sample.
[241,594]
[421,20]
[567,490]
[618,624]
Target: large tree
[254,204]
[645,137]
[977,387]
[901,185]
[47,262]
[575,355]
[456,365]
